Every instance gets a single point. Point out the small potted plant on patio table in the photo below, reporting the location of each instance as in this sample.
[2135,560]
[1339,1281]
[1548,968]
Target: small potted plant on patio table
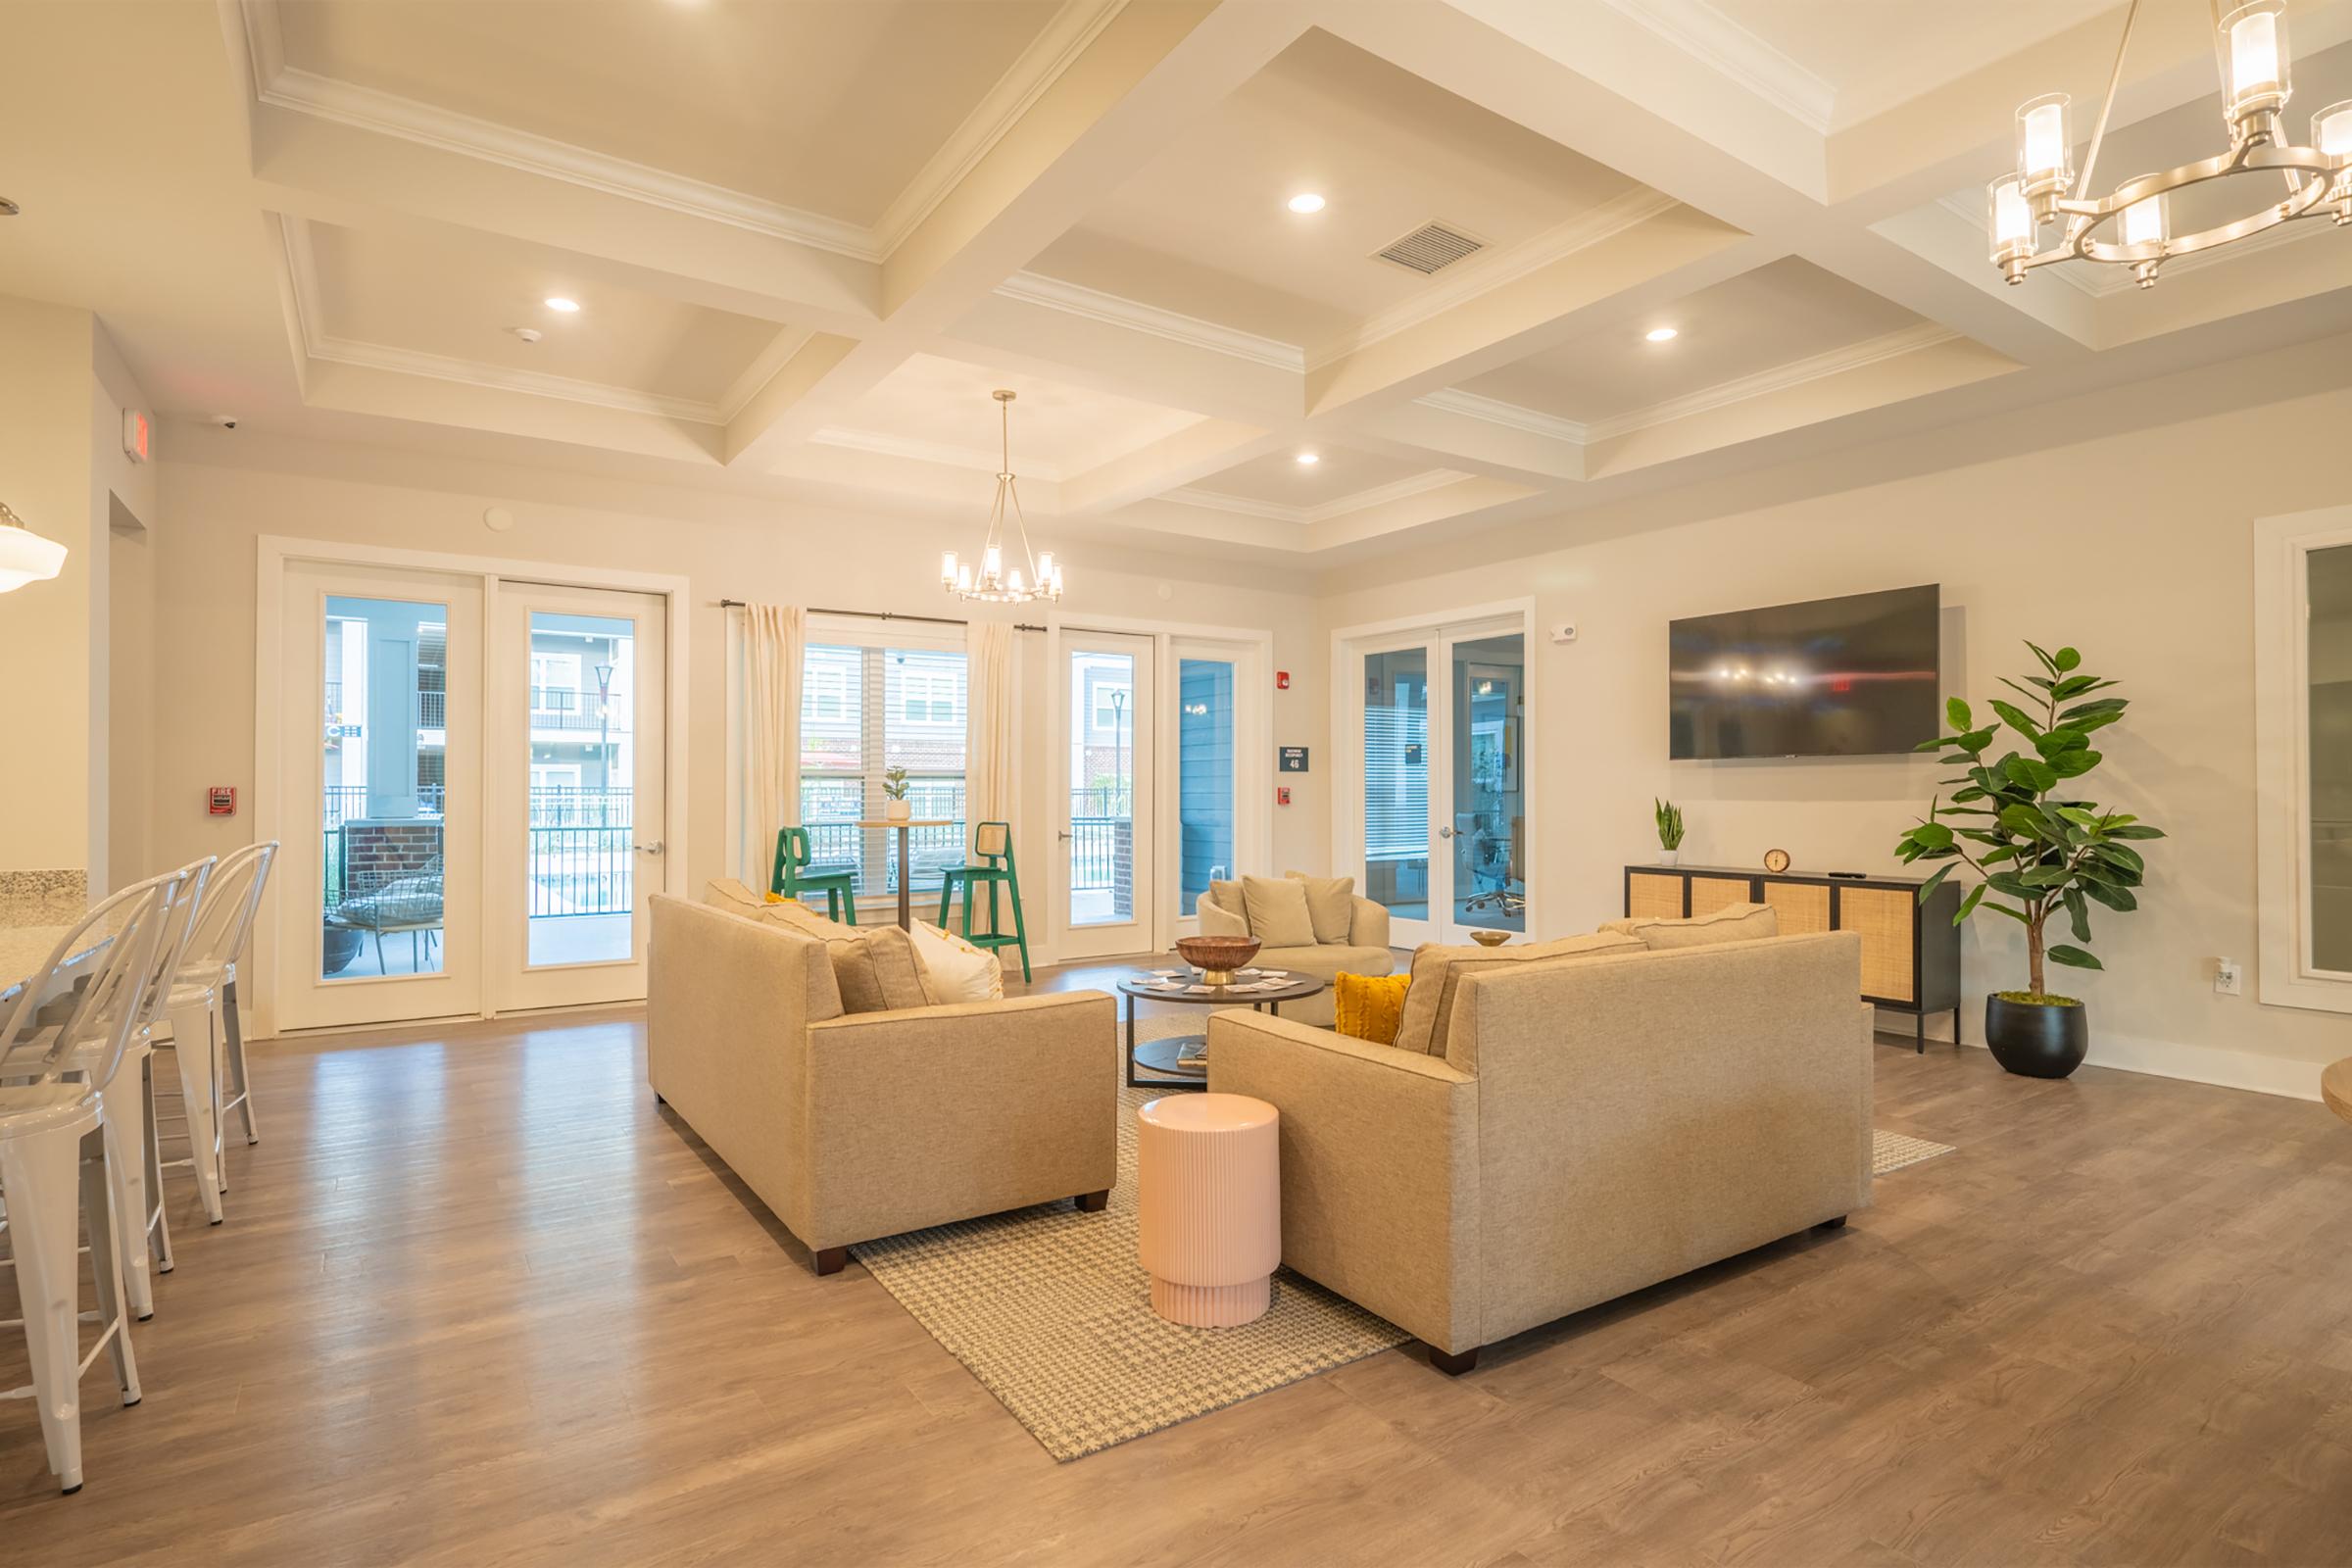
[894,792]
[2037,849]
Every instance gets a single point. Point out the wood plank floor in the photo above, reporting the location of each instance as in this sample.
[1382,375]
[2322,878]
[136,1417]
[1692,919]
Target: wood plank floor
[479,1301]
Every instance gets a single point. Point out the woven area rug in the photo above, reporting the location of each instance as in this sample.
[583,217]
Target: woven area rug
[1893,1151]
[1052,1313]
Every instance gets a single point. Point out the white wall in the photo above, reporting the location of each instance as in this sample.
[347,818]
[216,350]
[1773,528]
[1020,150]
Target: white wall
[2136,548]
[220,491]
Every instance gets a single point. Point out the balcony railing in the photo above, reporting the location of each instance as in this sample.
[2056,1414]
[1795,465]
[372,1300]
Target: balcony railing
[582,857]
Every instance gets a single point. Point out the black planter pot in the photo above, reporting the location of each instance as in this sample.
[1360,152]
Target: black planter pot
[2036,1041]
[342,945]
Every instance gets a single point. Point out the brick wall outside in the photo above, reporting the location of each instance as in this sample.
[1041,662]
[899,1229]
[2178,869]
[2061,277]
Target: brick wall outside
[377,853]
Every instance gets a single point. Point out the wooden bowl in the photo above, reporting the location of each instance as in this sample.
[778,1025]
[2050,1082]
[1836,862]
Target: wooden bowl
[1216,957]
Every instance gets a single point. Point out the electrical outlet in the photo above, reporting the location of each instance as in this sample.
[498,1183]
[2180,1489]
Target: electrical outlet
[2229,980]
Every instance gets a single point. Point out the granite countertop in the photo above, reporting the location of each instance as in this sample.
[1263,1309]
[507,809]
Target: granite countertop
[24,949]
[43,898]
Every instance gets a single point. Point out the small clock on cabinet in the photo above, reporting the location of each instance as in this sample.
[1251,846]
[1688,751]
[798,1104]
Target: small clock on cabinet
[1776,860]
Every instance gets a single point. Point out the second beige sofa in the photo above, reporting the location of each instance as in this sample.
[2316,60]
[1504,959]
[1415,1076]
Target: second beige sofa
[1593,1125]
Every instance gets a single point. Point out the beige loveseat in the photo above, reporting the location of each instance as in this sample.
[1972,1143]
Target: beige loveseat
[1365,950]
[862,1126]
[1591,1125]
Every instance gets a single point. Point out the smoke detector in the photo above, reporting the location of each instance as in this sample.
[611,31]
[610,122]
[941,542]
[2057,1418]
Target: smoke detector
[529,335]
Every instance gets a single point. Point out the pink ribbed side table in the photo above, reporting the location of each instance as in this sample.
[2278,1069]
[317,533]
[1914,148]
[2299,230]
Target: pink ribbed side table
[1211,1176]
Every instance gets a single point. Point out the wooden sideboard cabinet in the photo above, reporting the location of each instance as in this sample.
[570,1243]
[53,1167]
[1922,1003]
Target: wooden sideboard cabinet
[1910,951]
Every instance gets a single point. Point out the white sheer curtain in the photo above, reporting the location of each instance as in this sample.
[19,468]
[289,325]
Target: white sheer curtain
[775,646]
[991,718]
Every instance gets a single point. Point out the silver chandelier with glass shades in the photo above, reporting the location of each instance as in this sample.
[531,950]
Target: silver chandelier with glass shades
[2131,226]
[993,583]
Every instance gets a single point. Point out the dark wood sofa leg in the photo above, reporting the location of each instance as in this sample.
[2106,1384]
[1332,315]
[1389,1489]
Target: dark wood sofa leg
[1093,1203]
[1836,1224]
[830,1259]
[1454,1364]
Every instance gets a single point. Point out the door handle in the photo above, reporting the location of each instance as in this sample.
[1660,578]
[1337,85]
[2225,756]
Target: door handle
[655,848]
[1445,832]
[1064,837]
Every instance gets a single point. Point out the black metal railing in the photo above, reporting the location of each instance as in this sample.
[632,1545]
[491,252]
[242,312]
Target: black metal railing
[1095,845]
[581,871]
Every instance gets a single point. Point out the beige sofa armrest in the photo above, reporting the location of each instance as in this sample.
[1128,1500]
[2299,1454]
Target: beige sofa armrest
[922,1115]
[1369,927]
[1216,920]
[1379,1168]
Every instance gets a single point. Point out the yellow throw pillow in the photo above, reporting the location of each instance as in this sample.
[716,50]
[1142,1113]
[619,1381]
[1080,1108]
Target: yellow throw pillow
[1366,1006]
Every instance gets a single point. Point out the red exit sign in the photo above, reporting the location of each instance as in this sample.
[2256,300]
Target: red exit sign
[138,436]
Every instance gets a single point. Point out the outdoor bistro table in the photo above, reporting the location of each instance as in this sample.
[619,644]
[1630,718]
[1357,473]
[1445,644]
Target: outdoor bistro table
[906,866]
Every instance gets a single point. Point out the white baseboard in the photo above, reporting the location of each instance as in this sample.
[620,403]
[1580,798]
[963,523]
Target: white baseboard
[2165,1058]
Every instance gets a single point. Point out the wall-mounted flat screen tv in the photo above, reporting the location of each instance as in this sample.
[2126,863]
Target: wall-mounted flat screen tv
[1831,678]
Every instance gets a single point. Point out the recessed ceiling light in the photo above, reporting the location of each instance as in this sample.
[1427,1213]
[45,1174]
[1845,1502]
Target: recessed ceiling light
[1308,460]
[1662,334]
[557,302]
[1306,201]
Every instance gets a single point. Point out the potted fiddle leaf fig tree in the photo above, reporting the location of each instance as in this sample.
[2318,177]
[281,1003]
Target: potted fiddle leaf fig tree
[2039,850]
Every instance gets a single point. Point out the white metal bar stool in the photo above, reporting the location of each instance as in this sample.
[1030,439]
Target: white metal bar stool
[202,1022]
[47,1127]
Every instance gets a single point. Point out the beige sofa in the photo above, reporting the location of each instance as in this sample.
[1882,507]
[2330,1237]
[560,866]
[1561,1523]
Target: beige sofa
[1593,1125]
[862,1126]
[1365,951]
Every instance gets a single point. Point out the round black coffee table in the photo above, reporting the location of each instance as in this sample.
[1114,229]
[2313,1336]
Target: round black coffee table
[1183,1059]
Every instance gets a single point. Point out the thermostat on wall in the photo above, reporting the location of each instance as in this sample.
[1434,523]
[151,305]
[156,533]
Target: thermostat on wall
[1563,631]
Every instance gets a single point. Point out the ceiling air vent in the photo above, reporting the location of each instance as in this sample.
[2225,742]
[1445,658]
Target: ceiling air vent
[1430,247]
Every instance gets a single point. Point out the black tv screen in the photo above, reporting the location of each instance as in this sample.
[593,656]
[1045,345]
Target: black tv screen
[1831,678]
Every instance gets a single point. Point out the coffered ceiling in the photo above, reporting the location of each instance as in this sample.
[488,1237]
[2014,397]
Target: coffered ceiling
[807,240]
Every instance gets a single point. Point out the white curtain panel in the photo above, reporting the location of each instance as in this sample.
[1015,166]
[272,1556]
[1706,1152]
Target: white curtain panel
[775,643]
[990,722]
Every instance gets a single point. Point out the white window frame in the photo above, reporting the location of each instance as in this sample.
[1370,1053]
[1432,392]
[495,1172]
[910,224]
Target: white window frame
[876,717]
[2282,546]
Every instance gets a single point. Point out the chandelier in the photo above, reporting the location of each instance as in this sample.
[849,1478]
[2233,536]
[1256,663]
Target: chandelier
[25,556]
[2131,226]
[993,584]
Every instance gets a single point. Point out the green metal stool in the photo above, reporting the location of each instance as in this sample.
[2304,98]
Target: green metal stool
[992,851]
[791,877]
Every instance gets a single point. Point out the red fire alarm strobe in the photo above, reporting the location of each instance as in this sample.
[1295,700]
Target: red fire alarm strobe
[1282,680]
[222,799]
[1282,794]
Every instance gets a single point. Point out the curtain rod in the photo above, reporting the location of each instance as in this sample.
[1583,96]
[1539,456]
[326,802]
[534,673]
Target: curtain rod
[885,615]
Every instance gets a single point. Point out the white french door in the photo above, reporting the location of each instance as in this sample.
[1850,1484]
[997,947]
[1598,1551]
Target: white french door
[382,838]
[473,823]
[1105,881]
[575,777]
[1439,781]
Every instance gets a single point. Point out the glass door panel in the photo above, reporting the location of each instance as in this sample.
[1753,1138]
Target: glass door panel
[1487,736]
[578,806]
[1204,778]
[2330,842]
[383,826]
[1397,779]
[1107,725]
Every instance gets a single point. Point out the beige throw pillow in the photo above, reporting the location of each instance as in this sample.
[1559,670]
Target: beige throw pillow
[1733,922]
[1227,896]
[875,968]
[1278,913]
[1330,905]
[1438,970]
[953,969]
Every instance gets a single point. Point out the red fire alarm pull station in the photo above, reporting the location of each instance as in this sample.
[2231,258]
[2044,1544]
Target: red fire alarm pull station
[1282,680]
[1282,794]
[222,799]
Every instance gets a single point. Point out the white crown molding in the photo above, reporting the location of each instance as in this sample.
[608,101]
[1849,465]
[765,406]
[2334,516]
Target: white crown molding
[1051,52]
[1345,506]
[1499,269]
[1075,299]
[1706,34]
[1780,379]
[1510,416]
[318,344]
[1056,48]
[916,450]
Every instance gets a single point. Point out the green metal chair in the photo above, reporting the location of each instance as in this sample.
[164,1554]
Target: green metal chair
[991,853]
[793,878]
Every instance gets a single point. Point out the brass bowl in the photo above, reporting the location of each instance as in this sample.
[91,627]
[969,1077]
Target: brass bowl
[1216,957]
[1490,939]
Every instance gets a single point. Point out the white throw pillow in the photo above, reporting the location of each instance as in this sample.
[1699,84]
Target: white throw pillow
[954,970]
